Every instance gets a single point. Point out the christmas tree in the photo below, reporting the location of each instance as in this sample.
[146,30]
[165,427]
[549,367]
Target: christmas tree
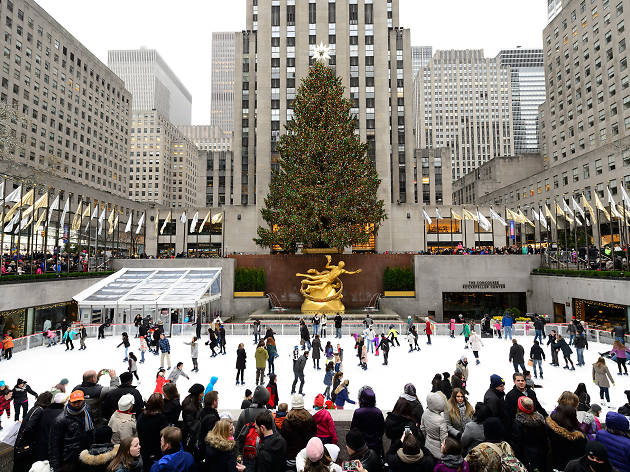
[325,190]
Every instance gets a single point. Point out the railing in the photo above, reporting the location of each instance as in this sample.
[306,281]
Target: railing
[274,302]
[293,329]
[374,302]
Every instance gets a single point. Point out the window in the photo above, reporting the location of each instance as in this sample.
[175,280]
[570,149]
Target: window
[611,162]
[576,177]
[586,171]
[598,167]
[312,13]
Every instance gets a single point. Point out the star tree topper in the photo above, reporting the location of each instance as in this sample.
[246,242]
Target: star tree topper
[322,53]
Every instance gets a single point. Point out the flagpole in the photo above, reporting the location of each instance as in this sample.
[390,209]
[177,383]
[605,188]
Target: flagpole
[587,241]
[464,231]
[451,212]
[625,229]
[478,231]
[197,242]
[19,238]
[4,193]
[507,229]
[437,225]
[610,227]
[492,223]
[566,244]
[186,236]
[424,230]
[170,235]
[599,239]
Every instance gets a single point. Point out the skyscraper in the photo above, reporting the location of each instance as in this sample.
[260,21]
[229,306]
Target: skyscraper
[553,8]
[420,57]
[527,74]
[152,83]
[463,102]
[222,97]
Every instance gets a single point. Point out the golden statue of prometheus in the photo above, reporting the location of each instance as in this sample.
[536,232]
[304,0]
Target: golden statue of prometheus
[322,290]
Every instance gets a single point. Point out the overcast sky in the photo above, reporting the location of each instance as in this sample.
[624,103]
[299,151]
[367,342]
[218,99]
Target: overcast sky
[181,31]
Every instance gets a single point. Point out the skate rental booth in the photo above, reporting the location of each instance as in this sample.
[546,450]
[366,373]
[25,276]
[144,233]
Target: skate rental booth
[168,296]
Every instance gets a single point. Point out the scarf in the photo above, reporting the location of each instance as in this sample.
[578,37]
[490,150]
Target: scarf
[409,398]
[451,461]
[88,424]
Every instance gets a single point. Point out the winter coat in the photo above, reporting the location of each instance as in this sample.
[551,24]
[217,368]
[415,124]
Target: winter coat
[618,446]
[433,424]
[125,342]
[149,427]
[248,415]
[95,395]
[529,438]
[172,410]
[7,342]
[42,434]
[298,366]
[619,353]
[316,345]
[271,454]
[564,347]
[19,394]
[475,342]
[517,353]
[338,320]
[457,425]
[400,462]
[463,367]
[297,430]
[466,330]
[566,445]
[194,349]
[624,409]
[369,459]
[272,351]
[27,434]
[328,377]
[304,334]
[580,342]
[210,387]
[220,455]
[97,457]
[325,425]
[536,352]
[495,400]
[589,424]
[159,384]
[511,405]
[272,388]
[174,461]
[451,464]
[241,358]
[68,437]
[484,457]
[176,374]
[427,328]
[601,374]
[447,389]
[123,426]
[341,396]
[369,420]
[208,417]
[472,436]
[164,345]
[507,321]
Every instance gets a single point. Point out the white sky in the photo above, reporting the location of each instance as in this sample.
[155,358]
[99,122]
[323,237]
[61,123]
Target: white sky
[182,35]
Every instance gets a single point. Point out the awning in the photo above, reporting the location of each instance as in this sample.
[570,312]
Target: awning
[164,288]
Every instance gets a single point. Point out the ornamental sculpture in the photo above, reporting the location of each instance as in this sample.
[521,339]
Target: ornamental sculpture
[322,290]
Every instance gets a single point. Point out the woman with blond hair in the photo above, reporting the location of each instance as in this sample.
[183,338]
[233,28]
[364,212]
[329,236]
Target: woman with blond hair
[128,458]
[601,377]
[220,453]
[458,414]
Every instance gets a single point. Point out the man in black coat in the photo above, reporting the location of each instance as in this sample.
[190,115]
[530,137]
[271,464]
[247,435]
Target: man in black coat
[539,328]
[272,449]
[551,340]
[208,416]
[338,321]
[494,398]
[520,389]
[49,416]
[517,356]
[298,372]
[358,450]
[95,393]
[110,402]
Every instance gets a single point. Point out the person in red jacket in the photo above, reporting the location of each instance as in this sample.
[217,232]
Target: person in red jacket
[428,329]
[160,380]
[325,425]
[272,388]
[5,400]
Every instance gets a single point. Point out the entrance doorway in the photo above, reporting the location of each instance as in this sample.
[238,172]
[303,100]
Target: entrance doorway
[474,305]
[559,313]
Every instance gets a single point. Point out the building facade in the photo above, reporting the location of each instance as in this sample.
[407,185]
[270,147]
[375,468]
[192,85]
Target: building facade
[527,75]
[152,83]
[222,94]
[71,113]
[420,57]
[463,101]
[165,167]
[216,146]
[434,179]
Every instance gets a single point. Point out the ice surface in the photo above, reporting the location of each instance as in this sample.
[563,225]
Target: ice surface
[44,367]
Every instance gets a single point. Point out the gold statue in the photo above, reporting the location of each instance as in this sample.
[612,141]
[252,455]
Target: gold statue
[322,290]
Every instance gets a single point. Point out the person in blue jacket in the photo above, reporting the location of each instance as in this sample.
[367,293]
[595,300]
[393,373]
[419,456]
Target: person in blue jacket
[174,458]
[507,321]
[616,440]
[342,395]
[210,386]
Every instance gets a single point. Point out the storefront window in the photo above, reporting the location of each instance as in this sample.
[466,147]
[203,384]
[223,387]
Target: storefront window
[474,305]
[444,225]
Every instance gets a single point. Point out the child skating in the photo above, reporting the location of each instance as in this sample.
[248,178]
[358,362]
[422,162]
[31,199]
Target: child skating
[194,352]
[125,342]
[133,365]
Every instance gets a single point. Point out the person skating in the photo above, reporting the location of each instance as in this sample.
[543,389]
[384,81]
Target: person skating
[342,396]
[338,323]
[126,343]
[194,353]
[316,321]
[257,330]
[241,359]
[580,343]
[317,350]
[324,322]
[222,341]
[393,336]
[475,344]
[517,356]
[410,341]
[601,377]
[328,378]
[519,390]
[5,400]
[20,398]
[143,348]
[537,355]
[562,345]
[165,348]
[82,337]
[298,372]
[620,353]
[451,327]
[328,352]
[133,365]
[466,333]
[507,322]
[368,322]
[272,388]
[551,340]
[305,336]
[428,329]
[68,336]
[156,341]
[414,331]
[212,341]
[137,322]
[368,335]
[384,346]
[273,353]
[261,357]
[364,357]
[177,372]
[539,328]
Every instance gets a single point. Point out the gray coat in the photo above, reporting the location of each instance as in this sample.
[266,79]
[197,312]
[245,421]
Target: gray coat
[194,349]
[433,424]
[601,374]
[457,426]
[472,436]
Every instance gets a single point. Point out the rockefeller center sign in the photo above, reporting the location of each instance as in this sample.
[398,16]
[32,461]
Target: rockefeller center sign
[482,285]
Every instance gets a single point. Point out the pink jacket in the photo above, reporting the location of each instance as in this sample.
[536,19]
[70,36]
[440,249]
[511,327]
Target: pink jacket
[325,425]
[452,325]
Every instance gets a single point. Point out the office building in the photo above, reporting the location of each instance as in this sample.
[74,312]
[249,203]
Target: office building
[420,57]
[553,8]
[152,83]
[222,96]
[527,74]
[464,102]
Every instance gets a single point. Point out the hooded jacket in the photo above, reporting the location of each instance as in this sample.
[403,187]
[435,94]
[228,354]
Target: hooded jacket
[369,420]
[174,461]
[97,457]
[601,375]
[210,386]
[297,429]
[260,398]
[325,425]
[433,424]
[261,356]
[529,437]
[400,462]
[566,445]
[617,445]
[220,454]
[123,426]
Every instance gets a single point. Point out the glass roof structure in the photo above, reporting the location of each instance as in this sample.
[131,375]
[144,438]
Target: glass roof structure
[157,287]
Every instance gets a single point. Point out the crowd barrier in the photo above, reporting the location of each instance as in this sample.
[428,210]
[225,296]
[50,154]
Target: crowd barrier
[292,329]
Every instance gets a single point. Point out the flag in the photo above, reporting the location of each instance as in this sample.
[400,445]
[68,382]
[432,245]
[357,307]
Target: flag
[542,220]
[588,207]
[76,220]
[95,211]
[524,219]
[624,196]
[101,220]
[203,223]
[437,214]
[9,228]
[548,213]
[115,222]
[600,206]
[86,211]
[427,218]
[576,207]
[578,221]
[39,222]
[66,209]
[483,221]
[2,191]
[468,215]
[566,209]
[455,216]
[27,199]
[110,221]
[535,214]
[140,224]
[54,206]
[166,221]
[157,218]
[495,216]
[193,223]
[512,216]
[14,196]
[611,202]
[182,218]
[128,225]
[41,202]
[217,218]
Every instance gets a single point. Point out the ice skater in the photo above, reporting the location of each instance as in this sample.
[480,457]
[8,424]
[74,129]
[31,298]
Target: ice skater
[261,357]
[384,346]
[475,345]
[317,350]
[20,398]
[428,329]
[551,340]
[143,348]
[273,353]
[67,338]
[241,359]
[222,340]
[212,341]
[177,372]
[125,342]
[393,336]
[328,377]
[566,352]
[324,321]
[194,353]
[82,337]
[451,326]
[364,357]
[133,365]
[165,347]
[257,329]
[305,337]
[316,321]
[537,355]
[298,372]
[497,328]
[466,333]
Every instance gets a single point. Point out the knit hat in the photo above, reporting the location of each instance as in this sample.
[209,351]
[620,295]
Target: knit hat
[248,392]
[355,439]
[76,396]
[64,382]
[526,405]
[125,403]
[20,381]
[2,384]
[314,449]
[410,389]
[496,381]
[126,377]
[597,449]
[595,408]
[102,434]
[297,401]
[60,398]
[319,401]
[196,389]
[333,451]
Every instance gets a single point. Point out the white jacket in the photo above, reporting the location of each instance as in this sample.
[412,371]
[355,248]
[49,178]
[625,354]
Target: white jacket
[475,342]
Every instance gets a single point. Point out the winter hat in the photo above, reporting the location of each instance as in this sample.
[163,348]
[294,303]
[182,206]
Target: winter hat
[617,421]
[597,449]
[297,401]
[410,389]
[526,405]
[2,384]
[126,377]
[319,401]
[314,449]
[272,377]
[627,392]
[493,429]
[248,392]
[102,434]
[446,375]
[463,358]
[196,389]
[355,439]
[20,381]
[496,381]
[60,398]
[40,466]
[333,451]
[225,415]
[125,403]
[595,408]
[64,382]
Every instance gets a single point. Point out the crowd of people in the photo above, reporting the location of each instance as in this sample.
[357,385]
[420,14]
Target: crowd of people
[114,428]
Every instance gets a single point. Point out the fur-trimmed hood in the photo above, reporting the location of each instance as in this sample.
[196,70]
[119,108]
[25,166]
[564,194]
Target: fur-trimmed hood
[98,454]
[562,432]
[219,443]
[535,419]
[409,458]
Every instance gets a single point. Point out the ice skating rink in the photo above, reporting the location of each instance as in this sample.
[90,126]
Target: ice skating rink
[44,367]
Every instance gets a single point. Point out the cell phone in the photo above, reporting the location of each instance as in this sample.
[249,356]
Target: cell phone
[407,429]
[350,466]
[239,460]
[104,371]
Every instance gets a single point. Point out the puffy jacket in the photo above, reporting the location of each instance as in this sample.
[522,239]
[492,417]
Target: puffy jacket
[433,424]
[298,427]
[261,357]
[271,454]
[210,386]
[507,321]
[179,461]
[618,446]
[566,445]
[208,418]
[369,420]
[94,395]
[325,425]
[123,426]
[49,416]
[97,457]
[580,342]
[68,437]
[342,397]
[220,455]
[164,345]
[475,342]
[495,400]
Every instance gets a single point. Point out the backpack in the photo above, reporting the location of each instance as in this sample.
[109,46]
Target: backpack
[251,440]
[509,463]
